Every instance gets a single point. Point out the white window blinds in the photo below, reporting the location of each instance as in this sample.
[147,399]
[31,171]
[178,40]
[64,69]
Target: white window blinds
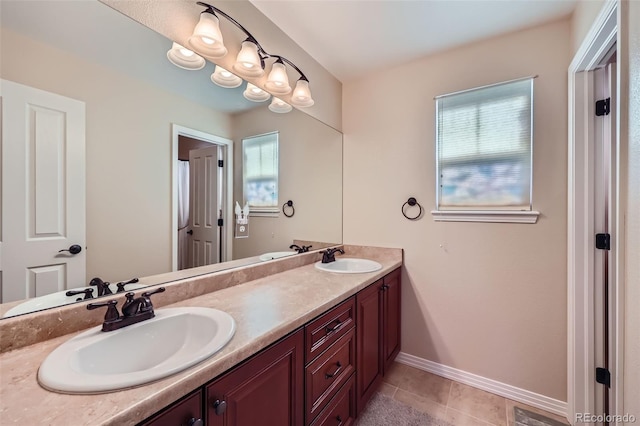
[484,143]
[260,172]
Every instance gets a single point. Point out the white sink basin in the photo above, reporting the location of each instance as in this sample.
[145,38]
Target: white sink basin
[58,298]
[276,255]
[97,361]
[349,265]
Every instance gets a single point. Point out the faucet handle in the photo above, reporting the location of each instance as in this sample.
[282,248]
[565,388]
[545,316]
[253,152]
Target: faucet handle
[112,312]
[149,293]
[88,294]
[121,285]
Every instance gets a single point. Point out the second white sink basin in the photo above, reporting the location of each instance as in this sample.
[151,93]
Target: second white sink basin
[97,361]
[349,265]
[276,255]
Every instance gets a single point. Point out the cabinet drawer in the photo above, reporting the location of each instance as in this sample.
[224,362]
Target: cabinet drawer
[182,413]
[328,373]
[329,327]
[341,410]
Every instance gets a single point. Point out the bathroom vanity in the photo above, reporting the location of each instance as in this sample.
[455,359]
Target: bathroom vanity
[308,377]
[310,347]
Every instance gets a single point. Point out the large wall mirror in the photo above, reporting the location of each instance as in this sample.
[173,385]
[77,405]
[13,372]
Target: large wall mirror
[140,113]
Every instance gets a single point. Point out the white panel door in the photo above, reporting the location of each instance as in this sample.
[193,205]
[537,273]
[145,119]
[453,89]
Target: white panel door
[43,192]
[203,206]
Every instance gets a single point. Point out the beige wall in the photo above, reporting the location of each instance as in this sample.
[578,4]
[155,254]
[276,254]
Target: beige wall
[584,14]
[310,174]
[128,139]
[489,299]
[630,44]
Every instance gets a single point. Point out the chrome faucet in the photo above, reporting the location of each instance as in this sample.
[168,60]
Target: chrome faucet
[133,310]
[329,255]
[299,249]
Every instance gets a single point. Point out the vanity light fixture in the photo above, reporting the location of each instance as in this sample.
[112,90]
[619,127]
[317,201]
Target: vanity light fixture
[255,94]
[279,106]
[224,78]
[207,40]
[184,58]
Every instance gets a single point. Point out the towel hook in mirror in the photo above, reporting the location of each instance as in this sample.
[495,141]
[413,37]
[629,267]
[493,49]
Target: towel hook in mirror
[288,204]
[412,202]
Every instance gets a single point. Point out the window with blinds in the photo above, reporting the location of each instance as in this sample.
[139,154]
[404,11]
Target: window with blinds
[484,142]
[260,172]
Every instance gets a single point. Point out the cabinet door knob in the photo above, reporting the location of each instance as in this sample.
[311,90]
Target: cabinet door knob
[339,420]
[220,407]
[196,422]
[384,287]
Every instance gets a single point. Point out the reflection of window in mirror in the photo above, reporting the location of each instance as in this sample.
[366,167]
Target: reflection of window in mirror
[260,173]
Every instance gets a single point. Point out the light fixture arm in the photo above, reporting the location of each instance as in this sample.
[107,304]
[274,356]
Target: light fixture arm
[262,53]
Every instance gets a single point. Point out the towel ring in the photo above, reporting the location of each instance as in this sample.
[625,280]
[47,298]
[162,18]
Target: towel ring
[288,204]
[412,202]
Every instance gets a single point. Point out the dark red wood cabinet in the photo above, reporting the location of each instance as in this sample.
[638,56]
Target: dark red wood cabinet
[185,412]
[266,390]
[322,374]
[378,334]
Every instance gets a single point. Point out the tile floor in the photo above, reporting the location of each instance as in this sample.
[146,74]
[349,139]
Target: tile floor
[458,404]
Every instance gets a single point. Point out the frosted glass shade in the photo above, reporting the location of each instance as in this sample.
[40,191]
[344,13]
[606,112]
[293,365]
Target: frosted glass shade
[255,94]
[279,106]
[248,62]
[224,78]
[278,81]
[302,94]
[207,38]
[185,58]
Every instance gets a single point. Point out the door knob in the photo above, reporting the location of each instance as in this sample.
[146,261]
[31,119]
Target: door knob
[74,249]
[190,232]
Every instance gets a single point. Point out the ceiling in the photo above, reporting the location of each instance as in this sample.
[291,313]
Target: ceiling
[353,37]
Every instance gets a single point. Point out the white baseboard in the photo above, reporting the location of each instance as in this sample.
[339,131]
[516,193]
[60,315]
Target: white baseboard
[516,394]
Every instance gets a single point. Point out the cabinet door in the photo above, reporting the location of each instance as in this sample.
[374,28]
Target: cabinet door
[369,342]
[186,412]
[266,390]
[391,318]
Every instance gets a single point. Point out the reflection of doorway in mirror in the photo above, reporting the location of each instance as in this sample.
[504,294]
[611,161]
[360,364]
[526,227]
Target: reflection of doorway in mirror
[43,209]
[201,174]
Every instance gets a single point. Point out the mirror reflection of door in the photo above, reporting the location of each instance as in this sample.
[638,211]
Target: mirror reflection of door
[43,192]
[199,203]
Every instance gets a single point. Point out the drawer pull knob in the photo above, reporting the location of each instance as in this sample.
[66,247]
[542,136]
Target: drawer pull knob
[337,325]
[331,375]
[220,407]
[339,419]
[196,422]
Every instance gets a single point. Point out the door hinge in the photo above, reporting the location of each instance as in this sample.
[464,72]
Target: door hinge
[603,241]
[220,222]
[603,107]
[220,163]
[603,376]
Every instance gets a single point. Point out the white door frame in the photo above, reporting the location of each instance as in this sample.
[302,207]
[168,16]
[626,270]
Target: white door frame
[581,234]
[177,131]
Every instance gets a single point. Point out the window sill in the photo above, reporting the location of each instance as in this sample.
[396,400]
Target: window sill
[503,216]
[273,213]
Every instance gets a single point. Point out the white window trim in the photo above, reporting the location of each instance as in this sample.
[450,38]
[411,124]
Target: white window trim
[271,211]
[501,216]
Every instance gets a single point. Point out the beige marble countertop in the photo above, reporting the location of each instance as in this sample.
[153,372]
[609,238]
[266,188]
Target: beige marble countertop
[265,310]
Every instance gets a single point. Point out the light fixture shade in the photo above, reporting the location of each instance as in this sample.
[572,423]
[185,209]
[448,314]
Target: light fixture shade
[255,94]
[278,82]
[248,63]
[224,78]
[184,58]
[279,106]
[207,38]
[302,94]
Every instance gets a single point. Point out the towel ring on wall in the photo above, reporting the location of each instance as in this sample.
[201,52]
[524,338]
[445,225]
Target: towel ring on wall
[412,202]
[288,204]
